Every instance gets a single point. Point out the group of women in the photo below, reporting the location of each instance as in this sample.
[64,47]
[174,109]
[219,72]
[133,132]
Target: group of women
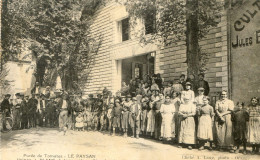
[192,122]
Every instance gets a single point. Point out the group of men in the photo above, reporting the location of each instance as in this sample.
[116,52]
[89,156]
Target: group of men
[28,112]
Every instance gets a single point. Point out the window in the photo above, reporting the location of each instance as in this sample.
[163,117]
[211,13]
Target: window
[150,22]
[125,29]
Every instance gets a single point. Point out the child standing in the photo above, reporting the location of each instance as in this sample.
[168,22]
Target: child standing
[103,119]
[110,116]
[240,117]
[116,116]
[205,114]
[79,122]
[88,120]
[254,125]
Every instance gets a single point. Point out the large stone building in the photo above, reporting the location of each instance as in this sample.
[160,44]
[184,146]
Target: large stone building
[231,66]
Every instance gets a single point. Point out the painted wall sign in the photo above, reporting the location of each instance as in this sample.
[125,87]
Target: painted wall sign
[242,22]
[245,51]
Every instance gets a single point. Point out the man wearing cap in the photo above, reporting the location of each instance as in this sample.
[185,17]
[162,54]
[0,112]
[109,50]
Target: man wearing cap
[202,83]
[50,111]
[24,111]
[32,104]
[116,116]
[135,117]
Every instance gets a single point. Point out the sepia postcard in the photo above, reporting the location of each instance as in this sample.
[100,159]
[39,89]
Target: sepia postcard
[130,80]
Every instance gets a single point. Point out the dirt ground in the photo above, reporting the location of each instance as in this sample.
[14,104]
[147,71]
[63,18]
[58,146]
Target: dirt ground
[50,144]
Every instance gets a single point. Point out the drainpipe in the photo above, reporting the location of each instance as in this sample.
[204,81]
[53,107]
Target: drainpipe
[229,58]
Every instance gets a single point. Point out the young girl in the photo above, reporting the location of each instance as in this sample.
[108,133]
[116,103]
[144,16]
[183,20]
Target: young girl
[79,122]
[168,111]
[254,125]
[205,114]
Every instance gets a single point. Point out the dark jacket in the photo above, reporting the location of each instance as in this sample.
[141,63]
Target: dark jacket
[24,107]
[5,105]
[32,105]
[204,84]
[60,103]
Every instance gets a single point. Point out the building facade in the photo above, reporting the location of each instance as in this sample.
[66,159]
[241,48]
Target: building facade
[121,57]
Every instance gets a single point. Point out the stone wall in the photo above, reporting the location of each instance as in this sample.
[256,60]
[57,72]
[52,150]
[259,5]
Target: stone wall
[169,61]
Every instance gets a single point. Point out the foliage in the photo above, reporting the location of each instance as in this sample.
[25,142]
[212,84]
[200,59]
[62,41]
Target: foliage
[171,18]
[4,83]
[59,32]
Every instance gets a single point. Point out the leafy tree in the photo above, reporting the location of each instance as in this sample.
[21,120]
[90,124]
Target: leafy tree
[178,20]
[59,36]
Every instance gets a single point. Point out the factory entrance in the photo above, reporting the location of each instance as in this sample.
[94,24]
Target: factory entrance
[138,67]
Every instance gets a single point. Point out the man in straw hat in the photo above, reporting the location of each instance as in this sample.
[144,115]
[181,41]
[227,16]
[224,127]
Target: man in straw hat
[135,117]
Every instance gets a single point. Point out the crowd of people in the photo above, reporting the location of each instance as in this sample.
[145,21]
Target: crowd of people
[178,112]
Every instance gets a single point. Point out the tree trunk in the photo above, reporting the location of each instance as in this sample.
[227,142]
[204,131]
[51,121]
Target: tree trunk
[192,40]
